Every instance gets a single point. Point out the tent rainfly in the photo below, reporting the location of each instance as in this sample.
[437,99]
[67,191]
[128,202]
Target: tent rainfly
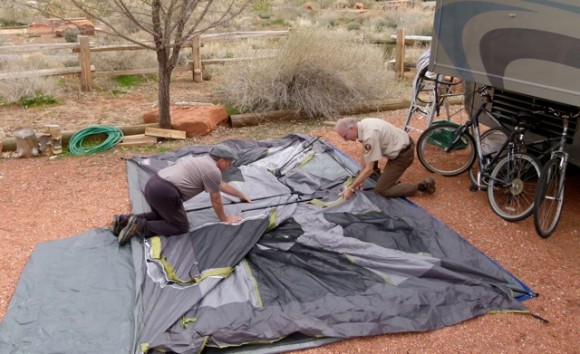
[304,268]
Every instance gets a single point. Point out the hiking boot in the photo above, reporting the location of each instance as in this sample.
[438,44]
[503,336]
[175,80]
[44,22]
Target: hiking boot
[129,231]
[119,222]
[428,186]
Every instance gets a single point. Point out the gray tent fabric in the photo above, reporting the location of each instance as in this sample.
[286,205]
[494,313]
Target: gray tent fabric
[75,295]
[304,267]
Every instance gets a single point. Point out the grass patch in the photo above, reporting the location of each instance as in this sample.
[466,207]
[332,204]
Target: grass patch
[10,23]
[232,110]
[129,80]
[35,101]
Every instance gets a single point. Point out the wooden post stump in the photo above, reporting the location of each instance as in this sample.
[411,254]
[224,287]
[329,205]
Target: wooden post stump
[2,136]
[55,138]
[196,58]
[26,143]
[44,143]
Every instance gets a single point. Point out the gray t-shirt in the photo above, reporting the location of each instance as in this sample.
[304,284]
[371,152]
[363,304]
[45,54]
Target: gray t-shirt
[193,175]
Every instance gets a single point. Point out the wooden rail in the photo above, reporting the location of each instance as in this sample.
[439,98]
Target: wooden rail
[86,70]
[402,40]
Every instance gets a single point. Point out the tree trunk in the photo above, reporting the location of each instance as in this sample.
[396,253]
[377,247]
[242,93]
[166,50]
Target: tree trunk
[163,94]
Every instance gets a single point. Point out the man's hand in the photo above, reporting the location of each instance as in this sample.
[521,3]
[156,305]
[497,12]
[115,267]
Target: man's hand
[233,219]
[347,193]
[228,189]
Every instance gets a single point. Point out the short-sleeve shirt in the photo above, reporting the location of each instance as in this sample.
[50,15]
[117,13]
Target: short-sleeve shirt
[193,175]
[380,138]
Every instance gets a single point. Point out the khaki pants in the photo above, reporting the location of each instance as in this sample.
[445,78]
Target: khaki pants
[394,169]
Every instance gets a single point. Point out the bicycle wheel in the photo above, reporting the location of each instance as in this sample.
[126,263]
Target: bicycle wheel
[512,187]
[431,150]
[491,142]
[549,198]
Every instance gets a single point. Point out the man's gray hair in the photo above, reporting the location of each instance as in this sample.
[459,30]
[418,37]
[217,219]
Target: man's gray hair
[345,123]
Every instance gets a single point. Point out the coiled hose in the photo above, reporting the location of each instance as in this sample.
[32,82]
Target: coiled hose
[75,145]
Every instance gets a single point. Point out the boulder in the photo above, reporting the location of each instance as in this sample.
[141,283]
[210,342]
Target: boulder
[193,120]
[40,28]
[85,27]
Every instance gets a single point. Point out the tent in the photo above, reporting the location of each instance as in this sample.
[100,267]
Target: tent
[304,268]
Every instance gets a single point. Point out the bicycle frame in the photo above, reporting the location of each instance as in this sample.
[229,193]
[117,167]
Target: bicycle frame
[561,154]
[473,125]
[549,195]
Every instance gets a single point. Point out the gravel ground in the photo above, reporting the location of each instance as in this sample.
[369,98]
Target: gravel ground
[45,199]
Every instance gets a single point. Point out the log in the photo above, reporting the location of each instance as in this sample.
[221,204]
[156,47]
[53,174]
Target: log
[378,106]
[253,119]
[10,143]
[26,143]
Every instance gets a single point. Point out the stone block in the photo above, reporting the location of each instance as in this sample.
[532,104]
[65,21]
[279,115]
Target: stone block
[193,120]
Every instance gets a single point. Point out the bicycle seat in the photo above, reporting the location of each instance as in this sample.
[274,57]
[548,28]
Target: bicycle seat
[525,121]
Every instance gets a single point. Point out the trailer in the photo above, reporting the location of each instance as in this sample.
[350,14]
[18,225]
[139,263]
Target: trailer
[527,51]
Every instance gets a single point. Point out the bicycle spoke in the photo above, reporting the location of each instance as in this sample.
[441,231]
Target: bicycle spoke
[432,149]
[513,187]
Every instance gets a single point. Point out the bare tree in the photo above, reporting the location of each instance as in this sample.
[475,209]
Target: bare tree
[171,24]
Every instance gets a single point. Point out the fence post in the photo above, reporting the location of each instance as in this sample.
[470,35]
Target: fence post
[85,63]
[196,58]
[400,53]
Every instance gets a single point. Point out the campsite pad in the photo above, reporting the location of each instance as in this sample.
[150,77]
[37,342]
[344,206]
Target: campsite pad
[303,269]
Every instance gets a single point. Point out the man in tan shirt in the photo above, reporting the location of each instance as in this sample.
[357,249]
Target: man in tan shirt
[382,139]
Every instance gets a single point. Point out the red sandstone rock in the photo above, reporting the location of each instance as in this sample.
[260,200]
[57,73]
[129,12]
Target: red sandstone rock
[194,120]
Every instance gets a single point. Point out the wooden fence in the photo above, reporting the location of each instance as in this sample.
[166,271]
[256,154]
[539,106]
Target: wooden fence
[87,70]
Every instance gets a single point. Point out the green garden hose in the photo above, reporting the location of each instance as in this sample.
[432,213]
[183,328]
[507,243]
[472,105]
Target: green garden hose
[75,145]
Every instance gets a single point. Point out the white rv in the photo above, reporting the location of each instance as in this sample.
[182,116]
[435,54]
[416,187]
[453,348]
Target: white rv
[527,50]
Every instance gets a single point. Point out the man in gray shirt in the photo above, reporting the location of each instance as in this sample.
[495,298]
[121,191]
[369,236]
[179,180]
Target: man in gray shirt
[170,187]
[382,139]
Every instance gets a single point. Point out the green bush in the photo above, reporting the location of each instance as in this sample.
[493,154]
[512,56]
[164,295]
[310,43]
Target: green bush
[353,26]
[4,22]
[262,6]
[71,35]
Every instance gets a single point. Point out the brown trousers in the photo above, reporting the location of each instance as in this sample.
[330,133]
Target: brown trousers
[167,216]
[387,184]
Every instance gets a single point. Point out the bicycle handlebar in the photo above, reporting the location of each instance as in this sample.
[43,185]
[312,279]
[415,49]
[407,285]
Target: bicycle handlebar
[557,113]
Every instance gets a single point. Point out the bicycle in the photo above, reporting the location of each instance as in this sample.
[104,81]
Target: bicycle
[549,197]
[509,174]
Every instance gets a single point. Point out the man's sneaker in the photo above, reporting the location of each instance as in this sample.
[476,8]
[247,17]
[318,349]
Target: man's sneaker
[119,222]
[129,231]
[428,186]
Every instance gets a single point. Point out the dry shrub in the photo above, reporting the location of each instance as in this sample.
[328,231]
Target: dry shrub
[11,14]
[12,90]
[416,21]
[316,73]
[122,59]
